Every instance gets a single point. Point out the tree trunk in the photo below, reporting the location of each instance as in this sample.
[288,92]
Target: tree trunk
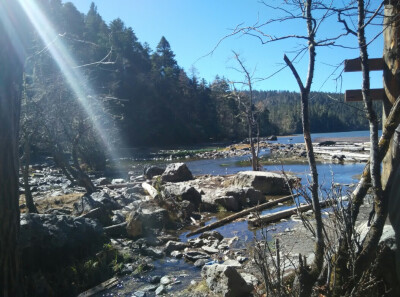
[25,173]
[10,82]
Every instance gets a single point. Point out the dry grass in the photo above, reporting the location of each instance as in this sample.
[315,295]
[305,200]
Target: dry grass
[59,202]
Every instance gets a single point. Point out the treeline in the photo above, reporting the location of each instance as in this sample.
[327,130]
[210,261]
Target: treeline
[328,112]
[148,98]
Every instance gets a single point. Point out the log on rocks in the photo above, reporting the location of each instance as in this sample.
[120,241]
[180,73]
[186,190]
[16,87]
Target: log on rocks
[103,286]
[241,214]
[150,190]
[116,230]
[273,217]
[119,186]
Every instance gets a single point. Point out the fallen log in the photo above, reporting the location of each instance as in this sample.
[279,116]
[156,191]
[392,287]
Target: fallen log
[103,286]
[241,214]
[119,186]
[150,190]
[273,217]
[116,230]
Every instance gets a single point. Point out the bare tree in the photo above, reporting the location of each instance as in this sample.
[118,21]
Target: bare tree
[246,105]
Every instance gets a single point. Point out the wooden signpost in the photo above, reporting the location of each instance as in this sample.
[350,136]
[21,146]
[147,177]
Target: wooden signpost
[354,65]
[390,65]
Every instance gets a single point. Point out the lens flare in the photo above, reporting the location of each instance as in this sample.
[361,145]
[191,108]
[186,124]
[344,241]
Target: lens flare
[71,73]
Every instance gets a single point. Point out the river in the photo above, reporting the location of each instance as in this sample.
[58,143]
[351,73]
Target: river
[344,174]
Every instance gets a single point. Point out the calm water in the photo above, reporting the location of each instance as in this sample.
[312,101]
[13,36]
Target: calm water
[298,138]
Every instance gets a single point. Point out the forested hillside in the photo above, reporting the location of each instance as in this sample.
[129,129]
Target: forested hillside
[328,112]
[144,96]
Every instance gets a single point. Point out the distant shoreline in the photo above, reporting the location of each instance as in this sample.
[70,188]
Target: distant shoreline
[343,139]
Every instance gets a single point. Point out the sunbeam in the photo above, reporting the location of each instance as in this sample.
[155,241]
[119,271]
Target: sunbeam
[66,63]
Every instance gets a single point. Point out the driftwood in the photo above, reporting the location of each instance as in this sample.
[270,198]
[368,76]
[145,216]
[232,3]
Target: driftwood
[119,186]
[150,190]
[273,217]
[116,230]
[103,286]
[240,214]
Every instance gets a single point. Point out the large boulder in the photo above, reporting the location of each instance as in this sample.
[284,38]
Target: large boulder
[134,225]
[48,240]
[182,192]
[152,171]
[225,280]
[154,218]
[268,183]
[246,196]
[176,172]
[147,220]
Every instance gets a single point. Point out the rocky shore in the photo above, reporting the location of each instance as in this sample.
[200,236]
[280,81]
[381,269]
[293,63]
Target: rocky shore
[127,225]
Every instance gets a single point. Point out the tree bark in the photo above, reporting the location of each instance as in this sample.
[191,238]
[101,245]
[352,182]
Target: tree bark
[306,278]
[25,173]
[10,82]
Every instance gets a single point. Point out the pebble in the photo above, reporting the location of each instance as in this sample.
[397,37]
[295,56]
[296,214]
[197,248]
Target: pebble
[165,280]
[161,290]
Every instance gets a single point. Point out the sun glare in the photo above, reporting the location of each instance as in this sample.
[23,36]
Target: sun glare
[65,61]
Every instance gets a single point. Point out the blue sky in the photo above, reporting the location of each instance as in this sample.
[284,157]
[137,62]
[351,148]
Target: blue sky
[194,27]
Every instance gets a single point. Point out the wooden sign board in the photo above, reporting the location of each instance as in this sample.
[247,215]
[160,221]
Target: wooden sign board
[356,95]
[354,65]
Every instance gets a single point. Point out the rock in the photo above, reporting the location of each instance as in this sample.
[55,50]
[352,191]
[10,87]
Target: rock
[117,181]
[230,203]
[106,200]
[272,138]
[326,143]
[250,279]
[165,280]
[102,181]
[176,254]
[101,214]
[176,172]
[210,235]
[193,255]
[154,218]
[86,204]
[225,280]
[153,252]
[268,183]
[196,242]
[241,259]
[252,197]
[139,294]
[175,246]
[149,288]
[233,263]
[209,249]
[53,240]
[200,263]
[155,279]
[134,225]
[152,171]
[137,189]
[246,196]
[182,192]
[161,290]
